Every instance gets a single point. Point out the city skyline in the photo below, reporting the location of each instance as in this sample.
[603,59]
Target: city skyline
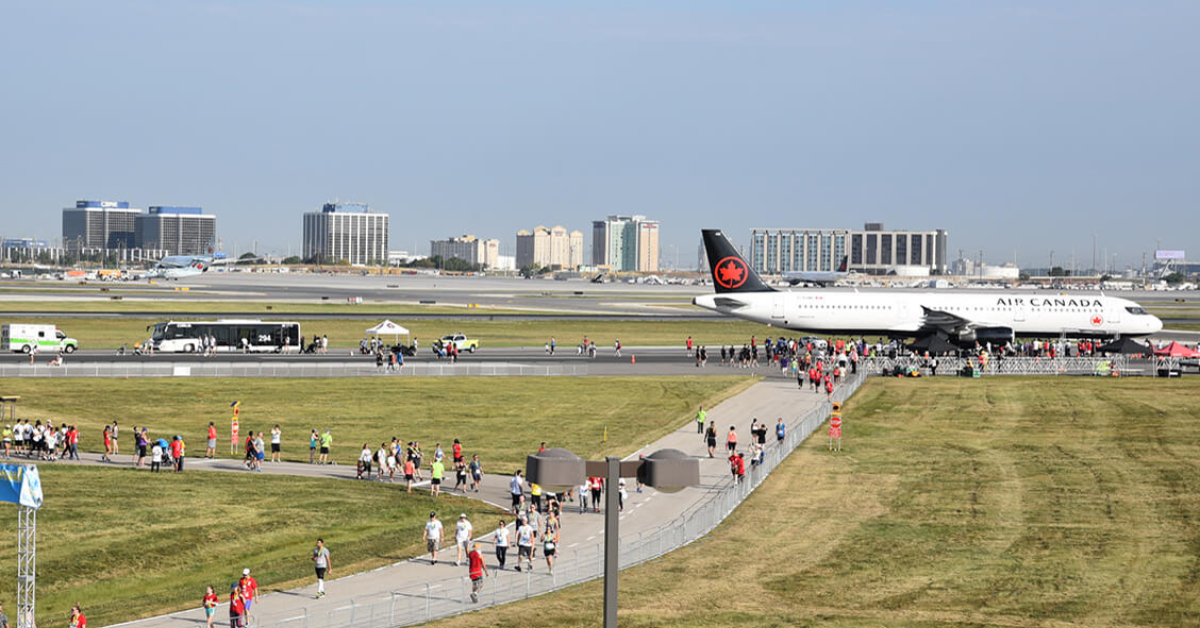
[1020,129]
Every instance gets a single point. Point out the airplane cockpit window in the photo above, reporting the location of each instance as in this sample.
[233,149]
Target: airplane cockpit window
[1137,311]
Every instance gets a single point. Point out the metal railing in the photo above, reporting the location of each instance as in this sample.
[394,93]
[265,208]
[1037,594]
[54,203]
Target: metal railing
[451,596]
[1120,365]
[288,369]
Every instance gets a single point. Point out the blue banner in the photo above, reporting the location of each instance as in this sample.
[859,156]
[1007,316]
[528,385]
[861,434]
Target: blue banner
[20,484]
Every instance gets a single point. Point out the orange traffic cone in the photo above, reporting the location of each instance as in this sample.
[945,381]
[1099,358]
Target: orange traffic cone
[632,359]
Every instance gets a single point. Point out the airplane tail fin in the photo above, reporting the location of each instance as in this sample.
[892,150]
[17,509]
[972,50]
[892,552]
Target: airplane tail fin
[730,273]
[845,265]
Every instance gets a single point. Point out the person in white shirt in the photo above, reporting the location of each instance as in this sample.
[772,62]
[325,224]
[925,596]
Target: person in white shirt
[381,459]
[364,462]
[156,457]
[501,538]
[432,537]
[276,438]
[462,538]
[525,545]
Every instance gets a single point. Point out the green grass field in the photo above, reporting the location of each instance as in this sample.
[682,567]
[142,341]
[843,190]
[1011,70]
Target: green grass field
[110,333]
[994,502]
[501,419]
[126,544]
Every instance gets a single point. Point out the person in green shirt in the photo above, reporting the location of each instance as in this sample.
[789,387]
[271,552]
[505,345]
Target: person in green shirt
[701,416]
[435,483]
[326,443]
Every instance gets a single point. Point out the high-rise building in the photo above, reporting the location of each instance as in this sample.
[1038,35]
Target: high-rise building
[99,225]
[625,243]
[346,231]
[177,230]
[469,249]
[872,250]
[549,248]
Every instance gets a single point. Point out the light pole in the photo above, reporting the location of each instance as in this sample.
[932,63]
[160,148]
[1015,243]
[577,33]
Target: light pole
[666,470]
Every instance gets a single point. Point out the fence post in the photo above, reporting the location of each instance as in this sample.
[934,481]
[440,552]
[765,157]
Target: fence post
[428,596]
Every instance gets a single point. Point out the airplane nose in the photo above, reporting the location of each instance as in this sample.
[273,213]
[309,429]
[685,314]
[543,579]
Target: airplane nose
[1156,325]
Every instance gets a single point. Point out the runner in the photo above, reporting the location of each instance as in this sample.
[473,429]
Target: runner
[710,437]
[115,442]
[550,541]
[731,441]
[408,473]
[107,443]
[432,537]
[501,539]
[237,607]
[364,462]
[312,446]
[476,472]
[178,450]
[77,618]
[324,566]
[249,589]
[780,430]
[210,606]
[515,490]
[326,443]
[701,416]
[436,470]
[596,486]
[211,451]
[476,570]
[462,538]
[276,442]
[525,534]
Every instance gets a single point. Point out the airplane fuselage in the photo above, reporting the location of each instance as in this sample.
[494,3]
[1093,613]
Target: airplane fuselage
[908,314]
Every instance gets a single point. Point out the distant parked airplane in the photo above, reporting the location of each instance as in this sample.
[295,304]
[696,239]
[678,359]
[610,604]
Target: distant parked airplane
[819,277]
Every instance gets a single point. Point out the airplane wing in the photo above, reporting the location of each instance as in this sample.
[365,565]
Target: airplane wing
[951,323]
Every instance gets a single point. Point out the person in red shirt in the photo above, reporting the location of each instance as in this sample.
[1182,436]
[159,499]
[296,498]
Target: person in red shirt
[73,441]
[741,467]
[77,618]
[237,607]
[733,465]
[210,606]
[458,455]
[828,386]
[212,441]
[249,589]
[476,569]
[177,453]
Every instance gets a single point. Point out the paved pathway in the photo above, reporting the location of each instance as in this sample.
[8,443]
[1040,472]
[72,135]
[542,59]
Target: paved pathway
[766,400]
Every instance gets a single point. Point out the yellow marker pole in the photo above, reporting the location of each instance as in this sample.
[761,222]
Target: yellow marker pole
[606,433]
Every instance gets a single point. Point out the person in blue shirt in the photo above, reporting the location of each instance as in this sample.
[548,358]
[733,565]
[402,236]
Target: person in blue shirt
[780,430]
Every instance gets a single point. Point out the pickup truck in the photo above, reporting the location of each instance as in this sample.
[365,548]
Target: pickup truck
[460,341]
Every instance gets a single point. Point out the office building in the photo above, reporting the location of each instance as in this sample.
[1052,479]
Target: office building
[99,225]
[468,248]
[177,230]
[348,232]
[625,243]
[873,250]
[554,248]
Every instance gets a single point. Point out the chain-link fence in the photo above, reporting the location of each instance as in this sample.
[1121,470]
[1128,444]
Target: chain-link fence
[451,596]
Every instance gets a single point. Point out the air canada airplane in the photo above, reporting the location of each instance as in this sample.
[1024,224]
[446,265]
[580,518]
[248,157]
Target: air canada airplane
[819,277]
[963,318]
[182,266]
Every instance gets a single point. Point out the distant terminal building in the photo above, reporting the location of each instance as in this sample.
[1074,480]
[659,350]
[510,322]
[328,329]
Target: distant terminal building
[467,248]
[346,231]
[99,225]
[177,230]
[549,248]
[626,243]
[873,250]
[24,243]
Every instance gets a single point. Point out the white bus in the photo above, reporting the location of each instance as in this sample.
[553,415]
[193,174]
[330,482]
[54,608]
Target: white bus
[231,336]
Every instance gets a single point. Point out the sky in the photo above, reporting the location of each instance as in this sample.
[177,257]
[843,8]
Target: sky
[1020,127]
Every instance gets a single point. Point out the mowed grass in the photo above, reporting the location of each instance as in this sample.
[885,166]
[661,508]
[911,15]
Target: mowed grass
[126,544]
[501,419]
[994,502]
[110,333]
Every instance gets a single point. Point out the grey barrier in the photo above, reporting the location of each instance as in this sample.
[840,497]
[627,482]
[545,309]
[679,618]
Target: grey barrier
[1106,366]
[194,368]
[451,596]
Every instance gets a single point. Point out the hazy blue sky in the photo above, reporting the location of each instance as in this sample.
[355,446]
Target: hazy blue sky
[1024,126]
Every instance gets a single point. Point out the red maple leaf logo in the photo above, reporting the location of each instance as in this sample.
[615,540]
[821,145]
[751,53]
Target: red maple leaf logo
[731,272]
[1097,320]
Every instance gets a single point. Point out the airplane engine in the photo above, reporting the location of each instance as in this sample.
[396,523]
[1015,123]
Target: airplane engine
[984,335]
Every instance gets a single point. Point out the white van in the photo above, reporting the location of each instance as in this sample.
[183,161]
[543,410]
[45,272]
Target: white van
[46,338]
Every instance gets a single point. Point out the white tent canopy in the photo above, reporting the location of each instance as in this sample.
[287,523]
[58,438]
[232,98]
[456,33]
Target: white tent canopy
[388,327]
